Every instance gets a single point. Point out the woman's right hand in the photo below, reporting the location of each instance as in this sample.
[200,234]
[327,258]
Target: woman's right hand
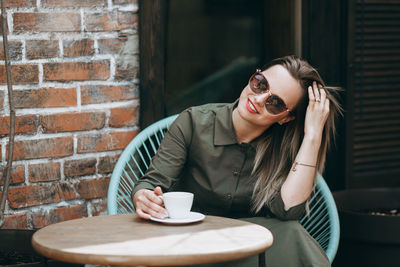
[149,204]
[317,112]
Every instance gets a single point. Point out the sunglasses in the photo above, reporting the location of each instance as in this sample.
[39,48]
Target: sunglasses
[259,84]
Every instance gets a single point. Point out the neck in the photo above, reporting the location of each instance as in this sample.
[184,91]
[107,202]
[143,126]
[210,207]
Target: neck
[244,130]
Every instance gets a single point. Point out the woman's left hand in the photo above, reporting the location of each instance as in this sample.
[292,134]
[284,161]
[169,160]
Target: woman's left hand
[317,112]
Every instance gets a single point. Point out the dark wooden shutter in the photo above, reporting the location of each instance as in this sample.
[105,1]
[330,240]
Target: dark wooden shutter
[373,94]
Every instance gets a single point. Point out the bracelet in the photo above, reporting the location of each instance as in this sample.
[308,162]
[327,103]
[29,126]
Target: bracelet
[298,163]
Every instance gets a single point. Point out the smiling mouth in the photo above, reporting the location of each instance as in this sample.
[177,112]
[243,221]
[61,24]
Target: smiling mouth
[251,107]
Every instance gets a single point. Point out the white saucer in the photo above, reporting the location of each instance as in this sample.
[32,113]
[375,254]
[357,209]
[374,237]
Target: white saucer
[193,217]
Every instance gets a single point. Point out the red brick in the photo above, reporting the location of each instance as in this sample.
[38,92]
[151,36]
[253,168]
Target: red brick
[36,49]
[107,164]
[104,141]
[17,174]
[76,71]
[122,117]
[23,124]
[99,208]
[2,99]
[20,3]
[110,21]
[46,22]
[78,48]
[43,148]
[69,122]
[126,71]
[73,3]
[44,98]
[15,50]
[73,168]
[56,215]
[96,94]
[20,74]
[110,46]
[16,221]
[39,194]
[44,172]
[93,188]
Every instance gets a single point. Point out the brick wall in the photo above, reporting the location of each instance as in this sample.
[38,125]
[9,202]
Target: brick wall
[74,67]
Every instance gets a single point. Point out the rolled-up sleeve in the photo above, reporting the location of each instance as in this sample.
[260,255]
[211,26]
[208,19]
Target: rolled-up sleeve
[167,164]
[277,207]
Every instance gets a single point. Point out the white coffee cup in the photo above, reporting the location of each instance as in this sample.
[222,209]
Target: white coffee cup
[178,204]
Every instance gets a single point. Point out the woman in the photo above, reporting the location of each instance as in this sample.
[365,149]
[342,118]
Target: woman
[255,159]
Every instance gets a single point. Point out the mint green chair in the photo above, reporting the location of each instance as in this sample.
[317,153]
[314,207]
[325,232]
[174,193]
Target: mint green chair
[322,222]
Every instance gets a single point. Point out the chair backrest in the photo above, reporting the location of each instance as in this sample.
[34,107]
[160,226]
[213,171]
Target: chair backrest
[322,222]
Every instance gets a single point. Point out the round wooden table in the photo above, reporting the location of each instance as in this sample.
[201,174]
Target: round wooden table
[128,240]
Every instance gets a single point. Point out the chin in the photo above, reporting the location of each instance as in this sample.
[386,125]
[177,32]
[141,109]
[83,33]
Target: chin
[245,114]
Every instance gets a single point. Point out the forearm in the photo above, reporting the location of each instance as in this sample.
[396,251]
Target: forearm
[299,183]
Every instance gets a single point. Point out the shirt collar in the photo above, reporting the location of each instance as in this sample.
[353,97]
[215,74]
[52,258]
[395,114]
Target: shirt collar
[224,133]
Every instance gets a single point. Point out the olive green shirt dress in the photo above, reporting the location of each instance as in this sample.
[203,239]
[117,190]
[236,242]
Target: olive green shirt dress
[200,154]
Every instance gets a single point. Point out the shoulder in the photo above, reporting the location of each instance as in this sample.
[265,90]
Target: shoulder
[205,112]
[196,121]
[198,118]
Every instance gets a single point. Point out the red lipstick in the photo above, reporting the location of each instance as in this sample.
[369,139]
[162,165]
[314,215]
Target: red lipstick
[251,107]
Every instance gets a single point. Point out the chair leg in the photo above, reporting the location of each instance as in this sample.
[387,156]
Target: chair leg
[261,259]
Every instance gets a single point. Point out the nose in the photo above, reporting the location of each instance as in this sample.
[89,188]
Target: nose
[262,97]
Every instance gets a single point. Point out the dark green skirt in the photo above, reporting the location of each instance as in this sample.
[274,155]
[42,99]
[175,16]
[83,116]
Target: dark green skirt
[293,246]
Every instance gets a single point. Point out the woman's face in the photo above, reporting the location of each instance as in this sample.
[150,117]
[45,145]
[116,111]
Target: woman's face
[251,105]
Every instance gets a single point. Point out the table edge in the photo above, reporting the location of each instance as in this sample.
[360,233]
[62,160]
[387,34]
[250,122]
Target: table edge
[162,260]
[157,260]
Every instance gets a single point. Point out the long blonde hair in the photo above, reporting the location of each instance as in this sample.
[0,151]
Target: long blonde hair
[271,167]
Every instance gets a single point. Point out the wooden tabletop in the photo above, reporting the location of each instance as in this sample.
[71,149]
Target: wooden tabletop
[128,240]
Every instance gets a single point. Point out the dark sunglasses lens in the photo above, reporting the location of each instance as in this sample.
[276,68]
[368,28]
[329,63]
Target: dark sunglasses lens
[258,83]
[275,105]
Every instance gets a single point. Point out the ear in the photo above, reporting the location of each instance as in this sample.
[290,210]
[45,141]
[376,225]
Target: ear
[286,119]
